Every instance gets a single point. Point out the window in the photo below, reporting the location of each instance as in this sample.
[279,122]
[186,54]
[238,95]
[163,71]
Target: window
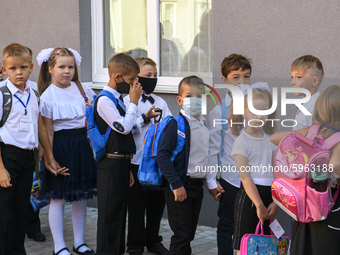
[174,33]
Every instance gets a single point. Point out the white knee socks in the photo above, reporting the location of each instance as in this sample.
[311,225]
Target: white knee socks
[79,220]
[56,220]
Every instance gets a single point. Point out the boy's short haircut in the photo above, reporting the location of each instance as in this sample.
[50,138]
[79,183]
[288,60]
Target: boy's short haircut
[305,62]
[189,80]
[124,64]
[143,61]
[234,62]
[16,50]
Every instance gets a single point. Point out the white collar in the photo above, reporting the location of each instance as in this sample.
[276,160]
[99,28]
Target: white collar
[113,91]
[14,89]
[189,117]
[312,101]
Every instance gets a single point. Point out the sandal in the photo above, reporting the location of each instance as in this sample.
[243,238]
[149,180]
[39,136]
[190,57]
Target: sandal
[87,252]
[63,249]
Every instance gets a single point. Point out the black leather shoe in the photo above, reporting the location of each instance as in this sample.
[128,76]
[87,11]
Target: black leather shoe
[38,237]
[87,252]
[158,249]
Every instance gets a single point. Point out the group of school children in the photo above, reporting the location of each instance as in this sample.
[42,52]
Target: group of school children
[69,172]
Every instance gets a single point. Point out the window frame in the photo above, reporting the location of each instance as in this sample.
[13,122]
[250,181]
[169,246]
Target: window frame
[100,76]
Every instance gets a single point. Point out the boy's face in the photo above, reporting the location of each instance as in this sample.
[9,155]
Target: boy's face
[129,78]
[189,91]
[304,79]
[148,71]
[17,70]
[237,77]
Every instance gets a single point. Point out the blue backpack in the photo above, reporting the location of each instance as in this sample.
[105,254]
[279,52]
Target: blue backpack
[149,174]
[97,140]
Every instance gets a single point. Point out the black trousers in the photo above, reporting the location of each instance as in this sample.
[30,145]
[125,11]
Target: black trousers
[15,201]
[143,202]
[33,222]
[183,216]
[112,191]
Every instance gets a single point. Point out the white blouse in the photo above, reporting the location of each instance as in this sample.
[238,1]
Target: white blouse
[65,106]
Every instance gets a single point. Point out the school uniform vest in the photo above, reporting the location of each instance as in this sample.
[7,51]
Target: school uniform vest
[117,142]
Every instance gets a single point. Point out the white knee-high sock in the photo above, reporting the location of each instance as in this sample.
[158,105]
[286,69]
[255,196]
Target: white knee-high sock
[79,220]
[56,220]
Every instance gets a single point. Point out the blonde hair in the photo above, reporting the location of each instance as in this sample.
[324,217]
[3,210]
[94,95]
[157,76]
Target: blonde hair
[45,77]
[305,62]
[268,128]
[122,63]
[327,110]
[143,61]
[16,50]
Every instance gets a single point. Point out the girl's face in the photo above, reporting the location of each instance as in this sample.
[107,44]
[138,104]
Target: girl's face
[63,71]
[253,120]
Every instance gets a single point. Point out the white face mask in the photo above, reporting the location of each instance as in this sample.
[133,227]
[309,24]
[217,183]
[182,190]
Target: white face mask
[192,105]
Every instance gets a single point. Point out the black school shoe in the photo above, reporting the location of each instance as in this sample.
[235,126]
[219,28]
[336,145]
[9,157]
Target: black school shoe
[87,252]
[158,249]
[38,237]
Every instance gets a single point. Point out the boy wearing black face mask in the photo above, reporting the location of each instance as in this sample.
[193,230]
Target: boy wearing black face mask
[114,168]
[141,201]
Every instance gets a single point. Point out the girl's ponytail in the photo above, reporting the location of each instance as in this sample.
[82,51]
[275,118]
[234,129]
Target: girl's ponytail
[235,128]
[44,78]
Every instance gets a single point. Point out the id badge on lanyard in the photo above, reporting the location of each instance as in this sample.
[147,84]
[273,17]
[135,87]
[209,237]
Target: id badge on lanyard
[25,120]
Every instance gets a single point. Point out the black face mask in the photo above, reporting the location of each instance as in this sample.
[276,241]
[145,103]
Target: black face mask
[123,87]
[148,84]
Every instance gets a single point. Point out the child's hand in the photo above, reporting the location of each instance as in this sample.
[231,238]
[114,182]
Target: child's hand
[132,180]
[151,114]
[180,194]
[54,167]
[217,192]
[5,178]
[136,91]
[272,210]
[88,104]
[262,213]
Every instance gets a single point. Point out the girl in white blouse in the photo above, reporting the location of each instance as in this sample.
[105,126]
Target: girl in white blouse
[253,154]
[63,111]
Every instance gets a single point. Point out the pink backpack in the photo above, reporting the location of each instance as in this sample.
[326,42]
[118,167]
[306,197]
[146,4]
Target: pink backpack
[301,185]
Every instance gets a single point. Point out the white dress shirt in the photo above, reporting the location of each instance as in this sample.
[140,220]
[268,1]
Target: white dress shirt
[306,120]
[65,106]
[140,127]
[108,111]
[10,133]
[228,164]
[199,142]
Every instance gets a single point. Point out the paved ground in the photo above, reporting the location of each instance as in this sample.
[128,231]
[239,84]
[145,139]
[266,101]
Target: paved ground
[204,243]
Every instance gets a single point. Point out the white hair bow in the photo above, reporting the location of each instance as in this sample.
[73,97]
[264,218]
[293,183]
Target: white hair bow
[257,85]
[45,54]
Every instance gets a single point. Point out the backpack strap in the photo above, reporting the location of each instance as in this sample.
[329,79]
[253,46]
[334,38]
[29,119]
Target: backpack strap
[331,141]
[313,131]
[225,112]
[113,99]
[180,136]
[6,104]
[81,90]
[37,96]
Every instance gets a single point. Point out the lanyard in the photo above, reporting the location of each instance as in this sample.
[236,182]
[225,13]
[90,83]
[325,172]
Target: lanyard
[338,130]
[28,99]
